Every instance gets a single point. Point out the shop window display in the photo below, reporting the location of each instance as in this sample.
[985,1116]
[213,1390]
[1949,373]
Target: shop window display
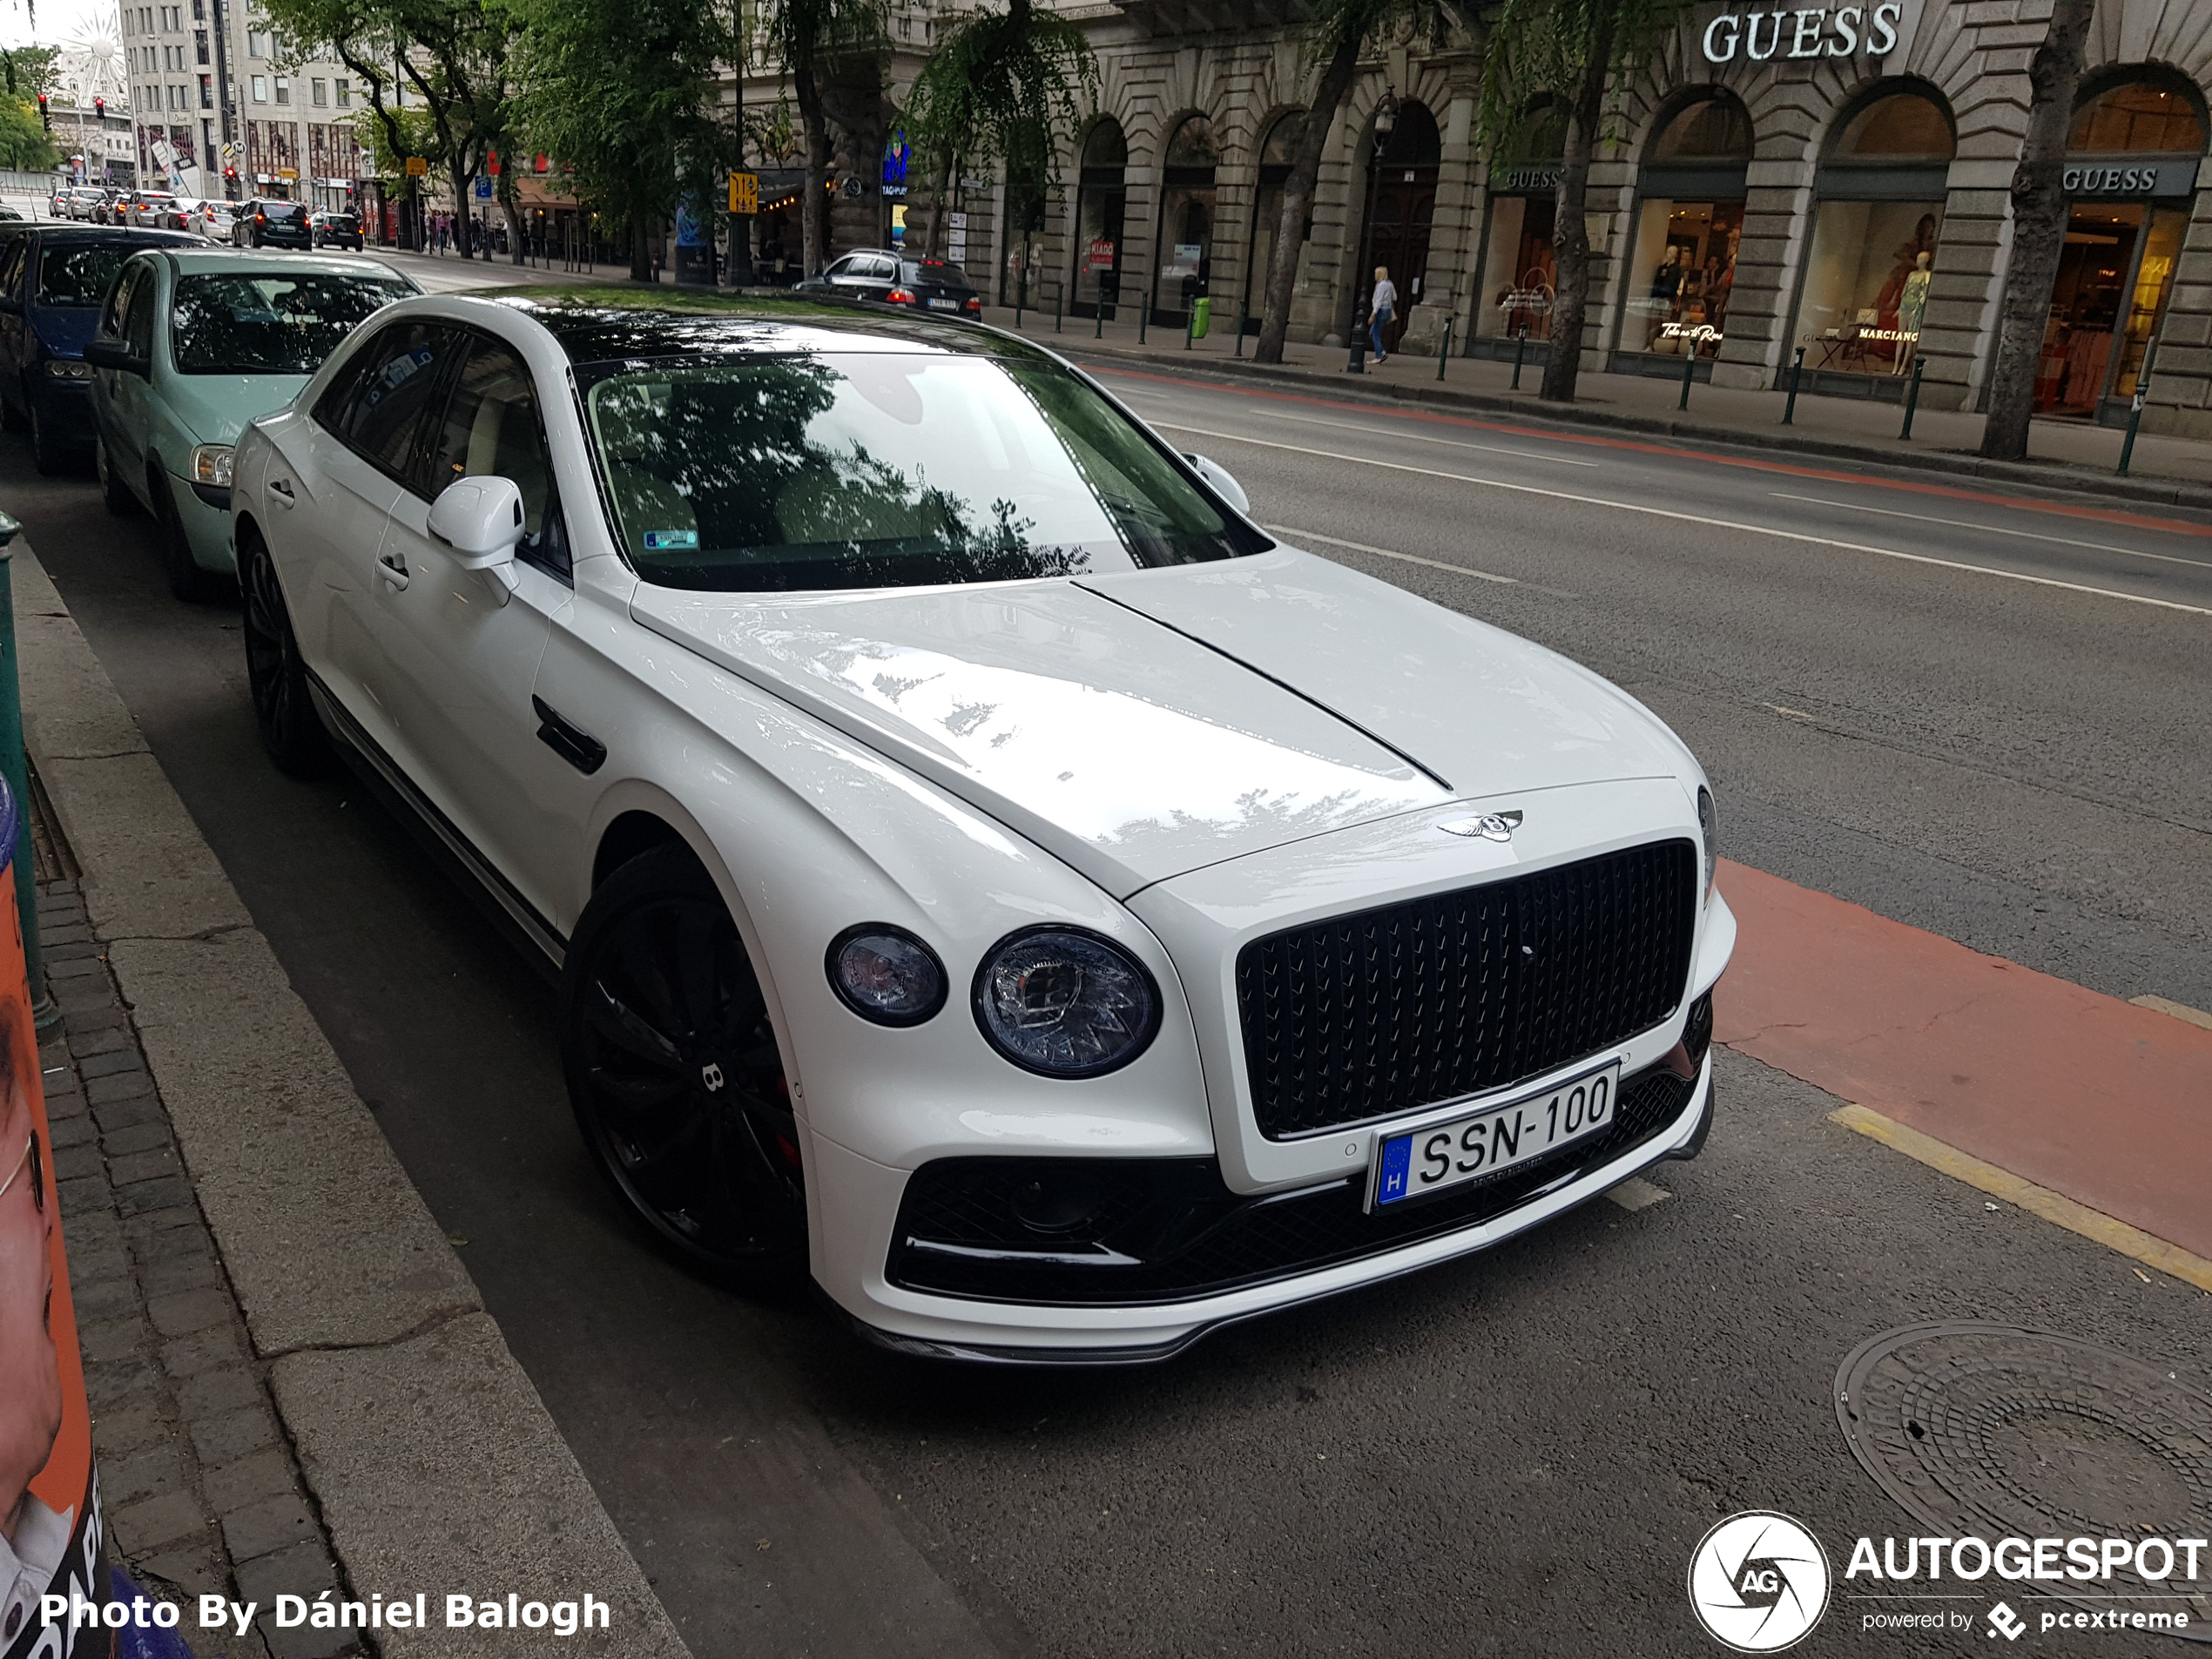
[1186,218]
[1520,266]
[1866,285]
[1684,273]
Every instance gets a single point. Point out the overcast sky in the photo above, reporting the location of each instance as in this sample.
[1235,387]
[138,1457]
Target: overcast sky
[59,21]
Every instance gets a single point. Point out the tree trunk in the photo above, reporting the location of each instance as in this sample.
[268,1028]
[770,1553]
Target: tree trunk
[641,250]
[2039,231]
[463,217]
[1571,233]
[814,209]
[1298,200]
[739,273]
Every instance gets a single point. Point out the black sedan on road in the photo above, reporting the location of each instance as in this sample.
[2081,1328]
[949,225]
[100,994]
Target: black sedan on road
[888,275]
[272,224]
[53,280]
[333,229]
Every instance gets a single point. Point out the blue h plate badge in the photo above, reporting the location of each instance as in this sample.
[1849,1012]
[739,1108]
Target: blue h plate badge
[663,541]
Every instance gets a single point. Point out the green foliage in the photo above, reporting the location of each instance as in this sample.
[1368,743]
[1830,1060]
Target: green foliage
[414,138]
[627,95]
[1538,54]
[26,71]
[25,142]
[1002,86]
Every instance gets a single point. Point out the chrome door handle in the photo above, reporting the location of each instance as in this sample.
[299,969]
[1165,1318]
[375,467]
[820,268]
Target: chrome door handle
[281,488]
[393,568]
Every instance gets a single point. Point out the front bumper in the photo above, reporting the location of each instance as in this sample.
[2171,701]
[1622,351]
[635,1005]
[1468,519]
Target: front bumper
[204,512]
[65,406]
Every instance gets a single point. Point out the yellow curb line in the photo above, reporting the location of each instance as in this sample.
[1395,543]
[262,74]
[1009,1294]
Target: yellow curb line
[2051,1206]
[2178,1010]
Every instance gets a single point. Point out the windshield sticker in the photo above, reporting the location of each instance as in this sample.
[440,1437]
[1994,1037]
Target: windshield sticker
[656,539]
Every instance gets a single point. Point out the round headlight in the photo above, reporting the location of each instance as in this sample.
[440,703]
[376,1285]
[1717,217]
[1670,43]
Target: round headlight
[885,975]
[1064,1004]
[1709,830]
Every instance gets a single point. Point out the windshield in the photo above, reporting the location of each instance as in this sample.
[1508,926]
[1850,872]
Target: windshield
[270,324]
[936,271]
[79,275]
[280,210]
[865,470]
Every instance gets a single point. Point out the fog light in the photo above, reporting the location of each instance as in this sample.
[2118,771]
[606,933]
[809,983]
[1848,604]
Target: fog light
[885,975]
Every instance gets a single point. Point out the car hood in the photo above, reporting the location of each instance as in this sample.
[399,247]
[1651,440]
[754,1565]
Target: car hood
[217,406]
[1145,724]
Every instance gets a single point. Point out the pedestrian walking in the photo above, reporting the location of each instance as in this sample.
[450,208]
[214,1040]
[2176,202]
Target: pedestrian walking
[1379,309]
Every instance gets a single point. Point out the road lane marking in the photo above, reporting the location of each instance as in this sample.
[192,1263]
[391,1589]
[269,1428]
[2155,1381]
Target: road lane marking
[1297,534]
[1826,474]
[1994,530]
[1694,518]
[2094,1225]
[1422,437]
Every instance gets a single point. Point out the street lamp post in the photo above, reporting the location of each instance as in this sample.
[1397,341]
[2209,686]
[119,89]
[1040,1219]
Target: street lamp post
[1385,119]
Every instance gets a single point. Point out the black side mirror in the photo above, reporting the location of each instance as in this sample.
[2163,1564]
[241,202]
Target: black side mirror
[113,353]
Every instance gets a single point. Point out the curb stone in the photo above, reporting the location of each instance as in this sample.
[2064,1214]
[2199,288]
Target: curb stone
[353,1305]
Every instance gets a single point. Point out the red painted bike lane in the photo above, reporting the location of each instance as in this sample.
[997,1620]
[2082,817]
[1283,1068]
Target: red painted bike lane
[2104,1102]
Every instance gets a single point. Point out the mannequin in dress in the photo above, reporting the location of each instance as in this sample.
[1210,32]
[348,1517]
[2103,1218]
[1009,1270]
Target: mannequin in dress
[1912,305]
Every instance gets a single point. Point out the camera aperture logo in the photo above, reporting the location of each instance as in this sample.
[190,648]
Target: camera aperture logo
[1758,1582]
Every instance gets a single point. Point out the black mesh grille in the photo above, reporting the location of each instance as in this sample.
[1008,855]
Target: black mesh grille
[1388,1010]
[1163,1230]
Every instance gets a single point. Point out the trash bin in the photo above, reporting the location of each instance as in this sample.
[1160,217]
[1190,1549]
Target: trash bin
[1201,315]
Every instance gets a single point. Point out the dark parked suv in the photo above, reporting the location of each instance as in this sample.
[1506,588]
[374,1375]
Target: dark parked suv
[334,229]
[885,274]
[272,224]
[52,280]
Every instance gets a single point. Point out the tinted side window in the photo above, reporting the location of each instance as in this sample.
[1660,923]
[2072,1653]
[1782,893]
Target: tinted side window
[111,313]
[138,319]
[382,420]
[491,430]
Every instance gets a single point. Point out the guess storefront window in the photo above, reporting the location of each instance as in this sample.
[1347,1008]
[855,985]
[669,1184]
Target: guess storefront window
[1873,257]
[1520,267]
[1689,228]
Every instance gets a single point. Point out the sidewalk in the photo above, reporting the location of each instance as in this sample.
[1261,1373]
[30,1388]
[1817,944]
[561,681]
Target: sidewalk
[2064,455]
[294,1382]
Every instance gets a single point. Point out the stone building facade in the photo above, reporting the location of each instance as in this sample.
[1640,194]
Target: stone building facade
[1833,180]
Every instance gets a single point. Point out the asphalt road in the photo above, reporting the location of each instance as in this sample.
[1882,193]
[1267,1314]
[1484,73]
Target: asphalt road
[1515,1454]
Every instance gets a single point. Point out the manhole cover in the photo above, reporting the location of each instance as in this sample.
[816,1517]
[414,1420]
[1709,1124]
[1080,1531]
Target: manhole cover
[1992,1432]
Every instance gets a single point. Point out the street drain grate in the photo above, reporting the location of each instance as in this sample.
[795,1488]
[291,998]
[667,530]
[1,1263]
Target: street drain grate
[1992,1432]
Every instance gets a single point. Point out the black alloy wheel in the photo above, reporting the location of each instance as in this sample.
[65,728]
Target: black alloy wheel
[673,1071]
[186,579]
[283,709]
[114,490]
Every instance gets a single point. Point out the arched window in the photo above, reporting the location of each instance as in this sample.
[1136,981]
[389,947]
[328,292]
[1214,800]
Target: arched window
[1186,219]
[1101,199]
[1277,152]
[1882,187]
[2137,117]
[1690,223]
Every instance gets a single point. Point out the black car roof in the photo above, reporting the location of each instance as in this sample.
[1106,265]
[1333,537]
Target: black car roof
[612,325]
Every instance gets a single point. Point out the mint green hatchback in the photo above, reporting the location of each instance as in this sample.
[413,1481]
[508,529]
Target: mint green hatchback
[192,345]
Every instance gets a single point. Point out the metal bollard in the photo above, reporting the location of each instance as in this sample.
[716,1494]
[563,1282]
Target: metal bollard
[1189,321]
[1443,350]
[1520,352]
[1688,367]
[1912,402]
[1143,316]
[1098,315]
[1059,304]
[17,770]
[1244,306]
[1796,373]
[2135,411]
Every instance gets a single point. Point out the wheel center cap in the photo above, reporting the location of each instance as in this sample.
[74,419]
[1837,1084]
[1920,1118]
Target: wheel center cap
[711,1075]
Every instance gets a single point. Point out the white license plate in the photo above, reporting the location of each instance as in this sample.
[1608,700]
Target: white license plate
[944,305]
[1497,1137]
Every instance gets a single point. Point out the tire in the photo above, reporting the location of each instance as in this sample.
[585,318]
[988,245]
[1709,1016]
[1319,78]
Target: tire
[275,674]
[114,489]
[186,579]
[675,1076]
[48,453]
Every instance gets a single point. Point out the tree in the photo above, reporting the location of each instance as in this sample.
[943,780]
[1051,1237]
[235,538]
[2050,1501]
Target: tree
[1570,50]
[810,37]
[25,144]
[627,95]
[1000,85]
[2039,230]
[1335,37]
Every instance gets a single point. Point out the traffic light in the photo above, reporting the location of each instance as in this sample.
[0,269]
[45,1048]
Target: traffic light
[45,119]
[99,109]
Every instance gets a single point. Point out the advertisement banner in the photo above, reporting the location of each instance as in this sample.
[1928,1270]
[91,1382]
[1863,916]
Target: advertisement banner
[50,1521]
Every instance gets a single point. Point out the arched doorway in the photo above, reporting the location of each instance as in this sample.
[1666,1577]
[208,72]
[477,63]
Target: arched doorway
[1101,201]
[1277,152]
[1402,206]
[1689,226]
[1186,243]
[1882,189]
[2131,168]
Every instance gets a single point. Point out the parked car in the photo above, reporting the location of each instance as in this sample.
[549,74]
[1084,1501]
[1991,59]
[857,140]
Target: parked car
[87,202]
[985,870]
[52,280]
[192,345]
[217,220]
[330,228]
[108,210]
[10,213]
[888,275]
[262,223]
[152,210]
[182,214]
[58,204]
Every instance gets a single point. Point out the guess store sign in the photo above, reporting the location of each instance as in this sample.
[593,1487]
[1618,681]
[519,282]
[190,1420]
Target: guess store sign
[1816,31]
